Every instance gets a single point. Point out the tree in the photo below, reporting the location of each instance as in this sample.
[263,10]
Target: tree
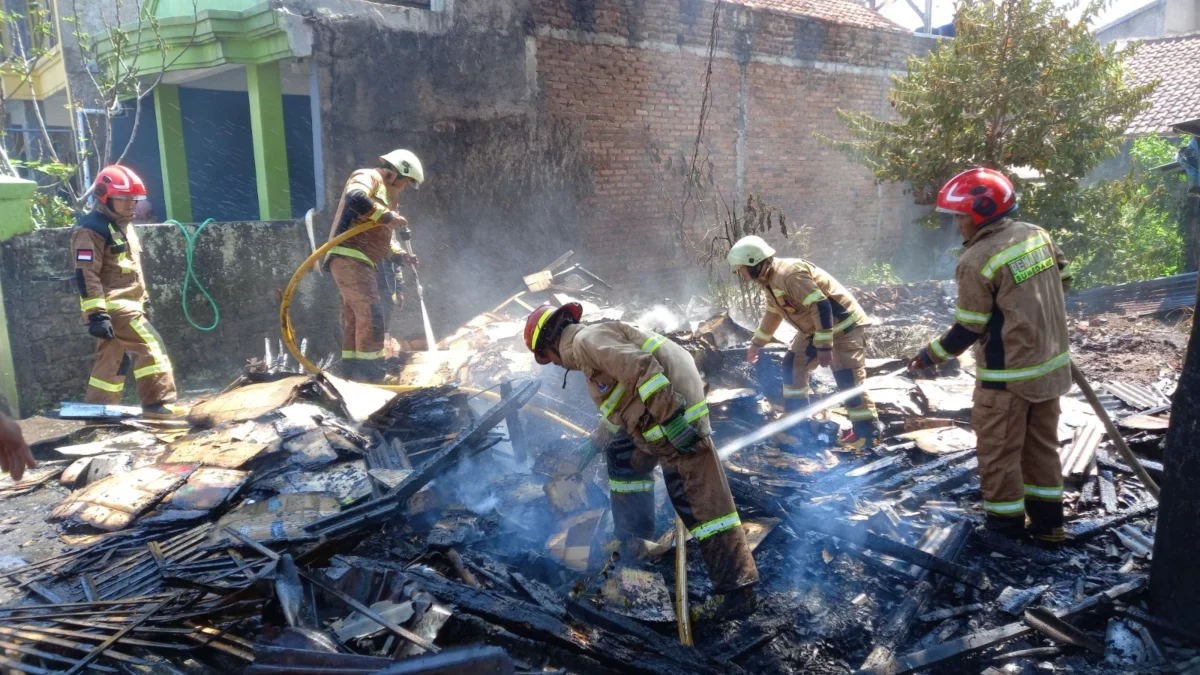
[114,73]
[1021,86]
[1122,230]
[1174,584]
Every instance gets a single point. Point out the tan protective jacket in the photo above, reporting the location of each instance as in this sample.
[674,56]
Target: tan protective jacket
[1011,280]
[108,264]
[638,379]
[374,245]
[794,287]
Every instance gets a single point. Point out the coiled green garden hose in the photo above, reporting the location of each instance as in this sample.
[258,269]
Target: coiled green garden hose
[190,275]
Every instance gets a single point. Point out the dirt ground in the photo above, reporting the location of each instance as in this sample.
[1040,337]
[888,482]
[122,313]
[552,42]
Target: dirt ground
[1143,351]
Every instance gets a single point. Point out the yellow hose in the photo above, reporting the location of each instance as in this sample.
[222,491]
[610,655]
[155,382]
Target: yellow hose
[289,334]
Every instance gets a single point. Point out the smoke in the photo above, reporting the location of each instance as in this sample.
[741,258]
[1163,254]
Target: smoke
[661,319]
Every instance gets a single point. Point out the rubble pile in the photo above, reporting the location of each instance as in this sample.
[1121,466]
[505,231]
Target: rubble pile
[304,524]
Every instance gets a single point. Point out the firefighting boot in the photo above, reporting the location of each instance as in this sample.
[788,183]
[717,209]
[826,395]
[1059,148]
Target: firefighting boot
[737,604]
[350,370]
[372,372]
[1012,526]
[1044,527]
[863,434]
[164,411]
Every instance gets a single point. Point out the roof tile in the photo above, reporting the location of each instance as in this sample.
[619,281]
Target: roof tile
[1175,63]
[844,12]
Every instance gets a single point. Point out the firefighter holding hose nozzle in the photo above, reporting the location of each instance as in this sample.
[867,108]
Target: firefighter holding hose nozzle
[371,195]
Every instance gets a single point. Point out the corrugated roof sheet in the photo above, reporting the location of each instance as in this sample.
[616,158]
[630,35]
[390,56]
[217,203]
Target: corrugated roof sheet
[1175,62]
[843,12]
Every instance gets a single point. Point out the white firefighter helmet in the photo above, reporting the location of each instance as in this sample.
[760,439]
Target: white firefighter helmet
[749,251]
[406,164]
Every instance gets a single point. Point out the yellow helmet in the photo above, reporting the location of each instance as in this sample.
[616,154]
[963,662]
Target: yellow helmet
[406,164]
[749,251]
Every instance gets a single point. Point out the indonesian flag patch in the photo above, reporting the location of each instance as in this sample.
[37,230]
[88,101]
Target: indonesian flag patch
[83,255]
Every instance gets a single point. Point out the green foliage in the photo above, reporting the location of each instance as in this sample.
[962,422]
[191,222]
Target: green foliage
[865,275]
[1123,230]
[1020,86]
[51,207]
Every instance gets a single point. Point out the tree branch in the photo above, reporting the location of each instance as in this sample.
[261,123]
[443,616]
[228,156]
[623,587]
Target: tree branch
[162,71]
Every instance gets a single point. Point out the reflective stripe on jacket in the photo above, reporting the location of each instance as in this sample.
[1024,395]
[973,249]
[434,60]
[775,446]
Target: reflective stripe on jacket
[374,244]
[1011,280]
[795,290]
[107,258]
[638,379]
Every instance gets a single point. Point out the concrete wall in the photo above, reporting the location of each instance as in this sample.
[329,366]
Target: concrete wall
[544,127]
[1144,22]
[245,266]
[458,87]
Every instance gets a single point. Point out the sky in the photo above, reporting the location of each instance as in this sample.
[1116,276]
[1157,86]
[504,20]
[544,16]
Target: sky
[943,11]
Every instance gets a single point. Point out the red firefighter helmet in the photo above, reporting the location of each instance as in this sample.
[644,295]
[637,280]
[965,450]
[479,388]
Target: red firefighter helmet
[540,318]
[118,181]
[983,194]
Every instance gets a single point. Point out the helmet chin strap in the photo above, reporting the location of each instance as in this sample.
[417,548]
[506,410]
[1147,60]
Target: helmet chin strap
[755,270]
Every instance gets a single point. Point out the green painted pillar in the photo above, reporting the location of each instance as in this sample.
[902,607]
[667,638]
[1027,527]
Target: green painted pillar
[16,217]
[177,195]
[270,145]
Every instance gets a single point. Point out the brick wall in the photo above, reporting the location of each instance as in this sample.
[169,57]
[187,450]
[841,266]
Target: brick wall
[245,266]
[630,73]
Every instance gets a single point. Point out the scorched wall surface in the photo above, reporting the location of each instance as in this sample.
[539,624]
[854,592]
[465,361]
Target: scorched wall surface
[631,75]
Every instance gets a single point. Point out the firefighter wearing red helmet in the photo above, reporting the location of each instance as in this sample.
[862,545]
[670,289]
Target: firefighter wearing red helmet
[1011,280]
[112,297]
[652,411]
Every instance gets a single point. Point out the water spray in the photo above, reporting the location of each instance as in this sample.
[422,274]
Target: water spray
[792,419]
[406,238]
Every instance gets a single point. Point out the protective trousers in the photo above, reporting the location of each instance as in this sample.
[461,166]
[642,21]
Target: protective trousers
[1019,469]
[700,494]
[849,371]
[362,318]
[796,369]
[138,346]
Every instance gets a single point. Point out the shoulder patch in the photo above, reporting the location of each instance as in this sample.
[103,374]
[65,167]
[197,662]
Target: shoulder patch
[83,255]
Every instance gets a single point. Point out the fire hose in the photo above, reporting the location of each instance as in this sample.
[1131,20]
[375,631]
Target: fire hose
[288,332]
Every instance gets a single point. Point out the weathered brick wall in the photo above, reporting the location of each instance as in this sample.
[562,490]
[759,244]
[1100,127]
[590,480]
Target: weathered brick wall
[631,75]
[245,266]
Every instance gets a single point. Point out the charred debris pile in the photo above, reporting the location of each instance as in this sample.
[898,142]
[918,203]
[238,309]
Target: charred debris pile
[303,524]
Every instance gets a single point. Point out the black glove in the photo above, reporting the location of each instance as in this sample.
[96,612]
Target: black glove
[921,361]
[100,326]
[148,311]
[680,433]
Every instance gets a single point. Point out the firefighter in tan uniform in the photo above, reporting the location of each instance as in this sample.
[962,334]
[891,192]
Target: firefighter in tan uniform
[830,329]
[371,195]
[1011,280]
[652,410]
[112,296]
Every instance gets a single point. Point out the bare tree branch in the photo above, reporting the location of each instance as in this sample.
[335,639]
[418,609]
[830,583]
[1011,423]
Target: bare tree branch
[162,71]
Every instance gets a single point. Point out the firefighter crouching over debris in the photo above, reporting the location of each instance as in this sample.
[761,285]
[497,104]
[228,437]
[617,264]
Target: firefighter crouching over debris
[371,195]
[652,410]
[112,296]
[830,325]
[1011,279]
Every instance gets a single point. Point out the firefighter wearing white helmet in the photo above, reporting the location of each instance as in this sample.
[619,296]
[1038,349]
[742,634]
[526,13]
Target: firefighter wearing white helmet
[357,264]
[830,330]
